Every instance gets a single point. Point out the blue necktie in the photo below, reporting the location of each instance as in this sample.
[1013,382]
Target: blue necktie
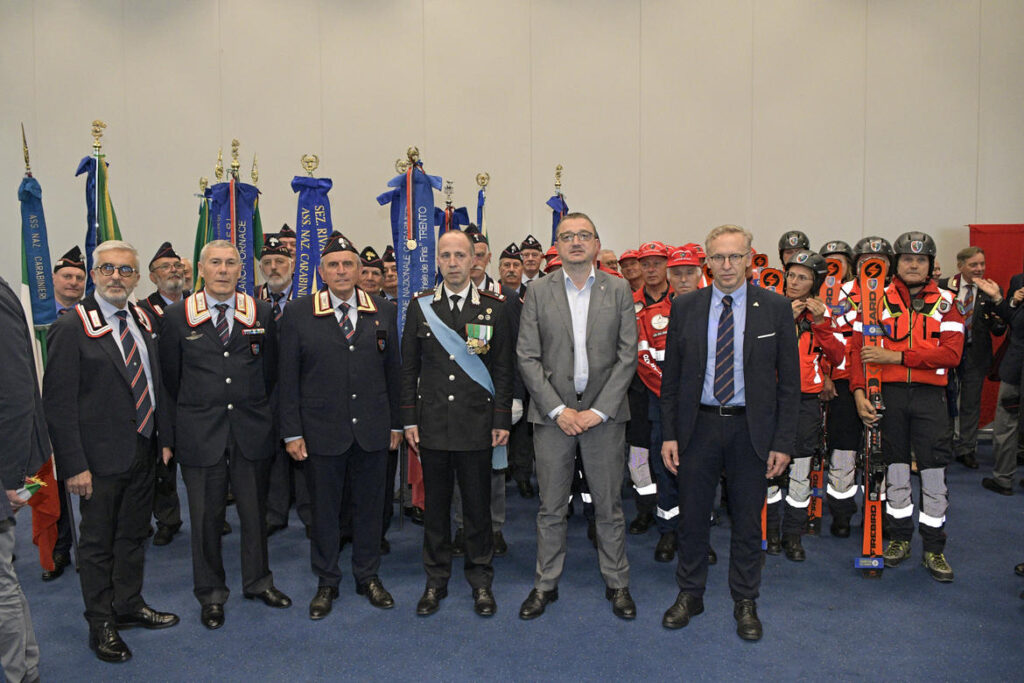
[346,322]
[724,388]
[140,385]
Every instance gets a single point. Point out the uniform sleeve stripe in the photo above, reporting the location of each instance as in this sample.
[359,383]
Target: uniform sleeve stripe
[951,327]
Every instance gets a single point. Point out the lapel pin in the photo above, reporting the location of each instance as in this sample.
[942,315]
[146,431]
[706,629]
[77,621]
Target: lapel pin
[756,304]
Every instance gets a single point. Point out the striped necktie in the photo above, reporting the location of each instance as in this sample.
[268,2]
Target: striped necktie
[277,310]
[140,385]
[222,323]
[346,322]
[724,388]
[968,305]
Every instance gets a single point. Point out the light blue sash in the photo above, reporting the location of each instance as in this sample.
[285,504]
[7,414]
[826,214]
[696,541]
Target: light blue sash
[469,362]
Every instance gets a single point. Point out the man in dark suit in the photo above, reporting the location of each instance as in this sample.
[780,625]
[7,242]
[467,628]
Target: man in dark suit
[456,407]
[730,397]
[26,448]
[167,273]
[1006,425]
[577,354]
[976,299]
[101,390]
[339,387]
[218,349]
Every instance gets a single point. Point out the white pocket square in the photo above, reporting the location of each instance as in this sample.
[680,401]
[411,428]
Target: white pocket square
[765,336]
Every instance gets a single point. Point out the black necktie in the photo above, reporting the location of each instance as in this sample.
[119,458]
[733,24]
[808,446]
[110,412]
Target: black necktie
[455,304]
[724,388]
[222,323]
[346,322]
[276,309]
[140,385]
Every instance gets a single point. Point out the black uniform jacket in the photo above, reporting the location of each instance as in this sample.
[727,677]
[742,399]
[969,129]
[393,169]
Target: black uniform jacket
[334,392]
[218,391]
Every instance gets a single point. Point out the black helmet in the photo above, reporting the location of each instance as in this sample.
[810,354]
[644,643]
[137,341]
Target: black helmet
[837,247]
[794,239]
[873,246]
[915,242]
[812,260]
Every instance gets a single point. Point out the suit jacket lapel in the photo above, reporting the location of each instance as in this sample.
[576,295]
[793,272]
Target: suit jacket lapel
[704,313]
[556,286]
[597,300]
[752,313]
[110,342]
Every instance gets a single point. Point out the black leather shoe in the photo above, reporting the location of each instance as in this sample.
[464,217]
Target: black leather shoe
[60,561]
[774,543]
[500,546]
[106,642]
[685,607]
[320,605]
[270,597]
[1019,569]
[271,529]
[748,626]
[385,546]
[840,528]
[165,534]
[525,489]
[794,549]
[622,602]
[994,486]
[535,603]
[712,555]
[483,602]
[641,523]
[376,593]
[592,532]
[459,544]
[968,460]
[147,617]
[665,551]
[415,515]
[225,530]
[212,616]
[430,602]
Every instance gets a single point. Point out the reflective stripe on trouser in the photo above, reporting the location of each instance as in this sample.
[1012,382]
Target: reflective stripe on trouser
[798,498]
[841,489]
[667,512]
[899,507]
[773,515]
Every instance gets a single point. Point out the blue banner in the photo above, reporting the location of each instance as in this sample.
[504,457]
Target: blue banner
[312,228]
[241,233]
[36,271]
[450,218]
[412,232]
[88,165]
[558,210]
[481,199]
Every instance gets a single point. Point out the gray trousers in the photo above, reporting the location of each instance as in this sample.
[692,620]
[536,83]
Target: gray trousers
[1004,434]
[497,501]
[603,449]
[19,652]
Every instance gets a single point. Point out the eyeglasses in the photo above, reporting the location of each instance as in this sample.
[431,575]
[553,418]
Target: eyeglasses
[567,237]
[109,269]
[734,259]
[163,267]
[798,277]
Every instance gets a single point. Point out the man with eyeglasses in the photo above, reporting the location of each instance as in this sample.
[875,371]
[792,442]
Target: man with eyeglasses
[218,349]
[101,391]
[740,417]
[580,319]
[167,273]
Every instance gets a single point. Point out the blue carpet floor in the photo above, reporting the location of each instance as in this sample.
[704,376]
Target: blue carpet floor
[821,619]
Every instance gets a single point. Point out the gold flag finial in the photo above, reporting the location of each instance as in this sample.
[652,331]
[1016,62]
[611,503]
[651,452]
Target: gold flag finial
[234,158]
[310,162]
[449,187]
[482,179]
[97,133]
[558,178]
[218,170]
[204,182]
[413,153]
[255,173]
[401,165]
[24,149]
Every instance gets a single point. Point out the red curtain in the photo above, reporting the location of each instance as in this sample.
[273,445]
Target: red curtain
[1004,257]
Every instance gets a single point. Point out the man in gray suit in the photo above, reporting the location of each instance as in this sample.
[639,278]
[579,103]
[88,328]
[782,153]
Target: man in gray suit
[577,355]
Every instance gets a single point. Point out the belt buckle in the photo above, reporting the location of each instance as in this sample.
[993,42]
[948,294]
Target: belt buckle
[723,411]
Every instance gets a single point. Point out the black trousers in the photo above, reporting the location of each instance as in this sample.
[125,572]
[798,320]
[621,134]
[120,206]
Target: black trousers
[63,544]
[287,484]
[389,491]
[166,506]
[719,443]
[112,538]
[520,447]
[207,489]
[473,468]
[327,476]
